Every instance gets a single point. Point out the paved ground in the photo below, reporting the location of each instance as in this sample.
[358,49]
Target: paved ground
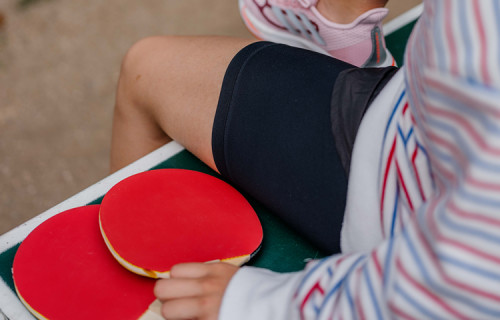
[59,63]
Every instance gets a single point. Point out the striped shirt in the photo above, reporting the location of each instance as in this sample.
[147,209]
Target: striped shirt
[443,262]
[438,192]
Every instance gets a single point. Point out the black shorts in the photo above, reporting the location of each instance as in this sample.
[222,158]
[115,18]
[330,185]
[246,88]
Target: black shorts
[272,137]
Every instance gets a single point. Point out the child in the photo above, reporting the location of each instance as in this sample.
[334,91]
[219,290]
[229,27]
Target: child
[419,233]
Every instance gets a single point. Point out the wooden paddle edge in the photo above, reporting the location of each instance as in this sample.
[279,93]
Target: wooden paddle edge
[236,261]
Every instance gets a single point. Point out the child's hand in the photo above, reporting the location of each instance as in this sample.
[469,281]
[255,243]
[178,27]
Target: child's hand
[194,290]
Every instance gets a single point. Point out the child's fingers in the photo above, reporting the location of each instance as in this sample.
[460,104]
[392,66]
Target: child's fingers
[189,270]
[187,308]
[201,270]
[166,289]
[191,308]
[194,290]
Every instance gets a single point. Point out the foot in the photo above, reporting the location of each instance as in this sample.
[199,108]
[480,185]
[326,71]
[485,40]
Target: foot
[300,24]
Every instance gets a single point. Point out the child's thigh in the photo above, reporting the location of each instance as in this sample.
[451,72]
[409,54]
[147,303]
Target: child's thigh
[272,137]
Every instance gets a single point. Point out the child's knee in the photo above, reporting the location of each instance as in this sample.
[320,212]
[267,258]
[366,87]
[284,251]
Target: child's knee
[140,57]
[142,68]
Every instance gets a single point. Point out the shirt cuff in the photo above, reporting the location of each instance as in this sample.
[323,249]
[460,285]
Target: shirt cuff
[256,293]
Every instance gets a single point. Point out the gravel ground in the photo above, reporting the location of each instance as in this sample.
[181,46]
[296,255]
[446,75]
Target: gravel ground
[59,64]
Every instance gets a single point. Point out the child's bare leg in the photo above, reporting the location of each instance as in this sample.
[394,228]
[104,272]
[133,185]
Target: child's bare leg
[168,89]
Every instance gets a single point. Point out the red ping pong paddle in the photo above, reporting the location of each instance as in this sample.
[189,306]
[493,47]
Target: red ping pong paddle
[156,219]
[63,270]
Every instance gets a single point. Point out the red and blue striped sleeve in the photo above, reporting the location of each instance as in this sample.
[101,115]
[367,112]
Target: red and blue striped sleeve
[445,261]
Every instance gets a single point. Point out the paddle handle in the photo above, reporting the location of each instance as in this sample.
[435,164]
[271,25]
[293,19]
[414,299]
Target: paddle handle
[153,312]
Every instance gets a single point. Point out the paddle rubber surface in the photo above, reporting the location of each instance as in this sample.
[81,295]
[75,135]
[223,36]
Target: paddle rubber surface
[63,270]
[156,219]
